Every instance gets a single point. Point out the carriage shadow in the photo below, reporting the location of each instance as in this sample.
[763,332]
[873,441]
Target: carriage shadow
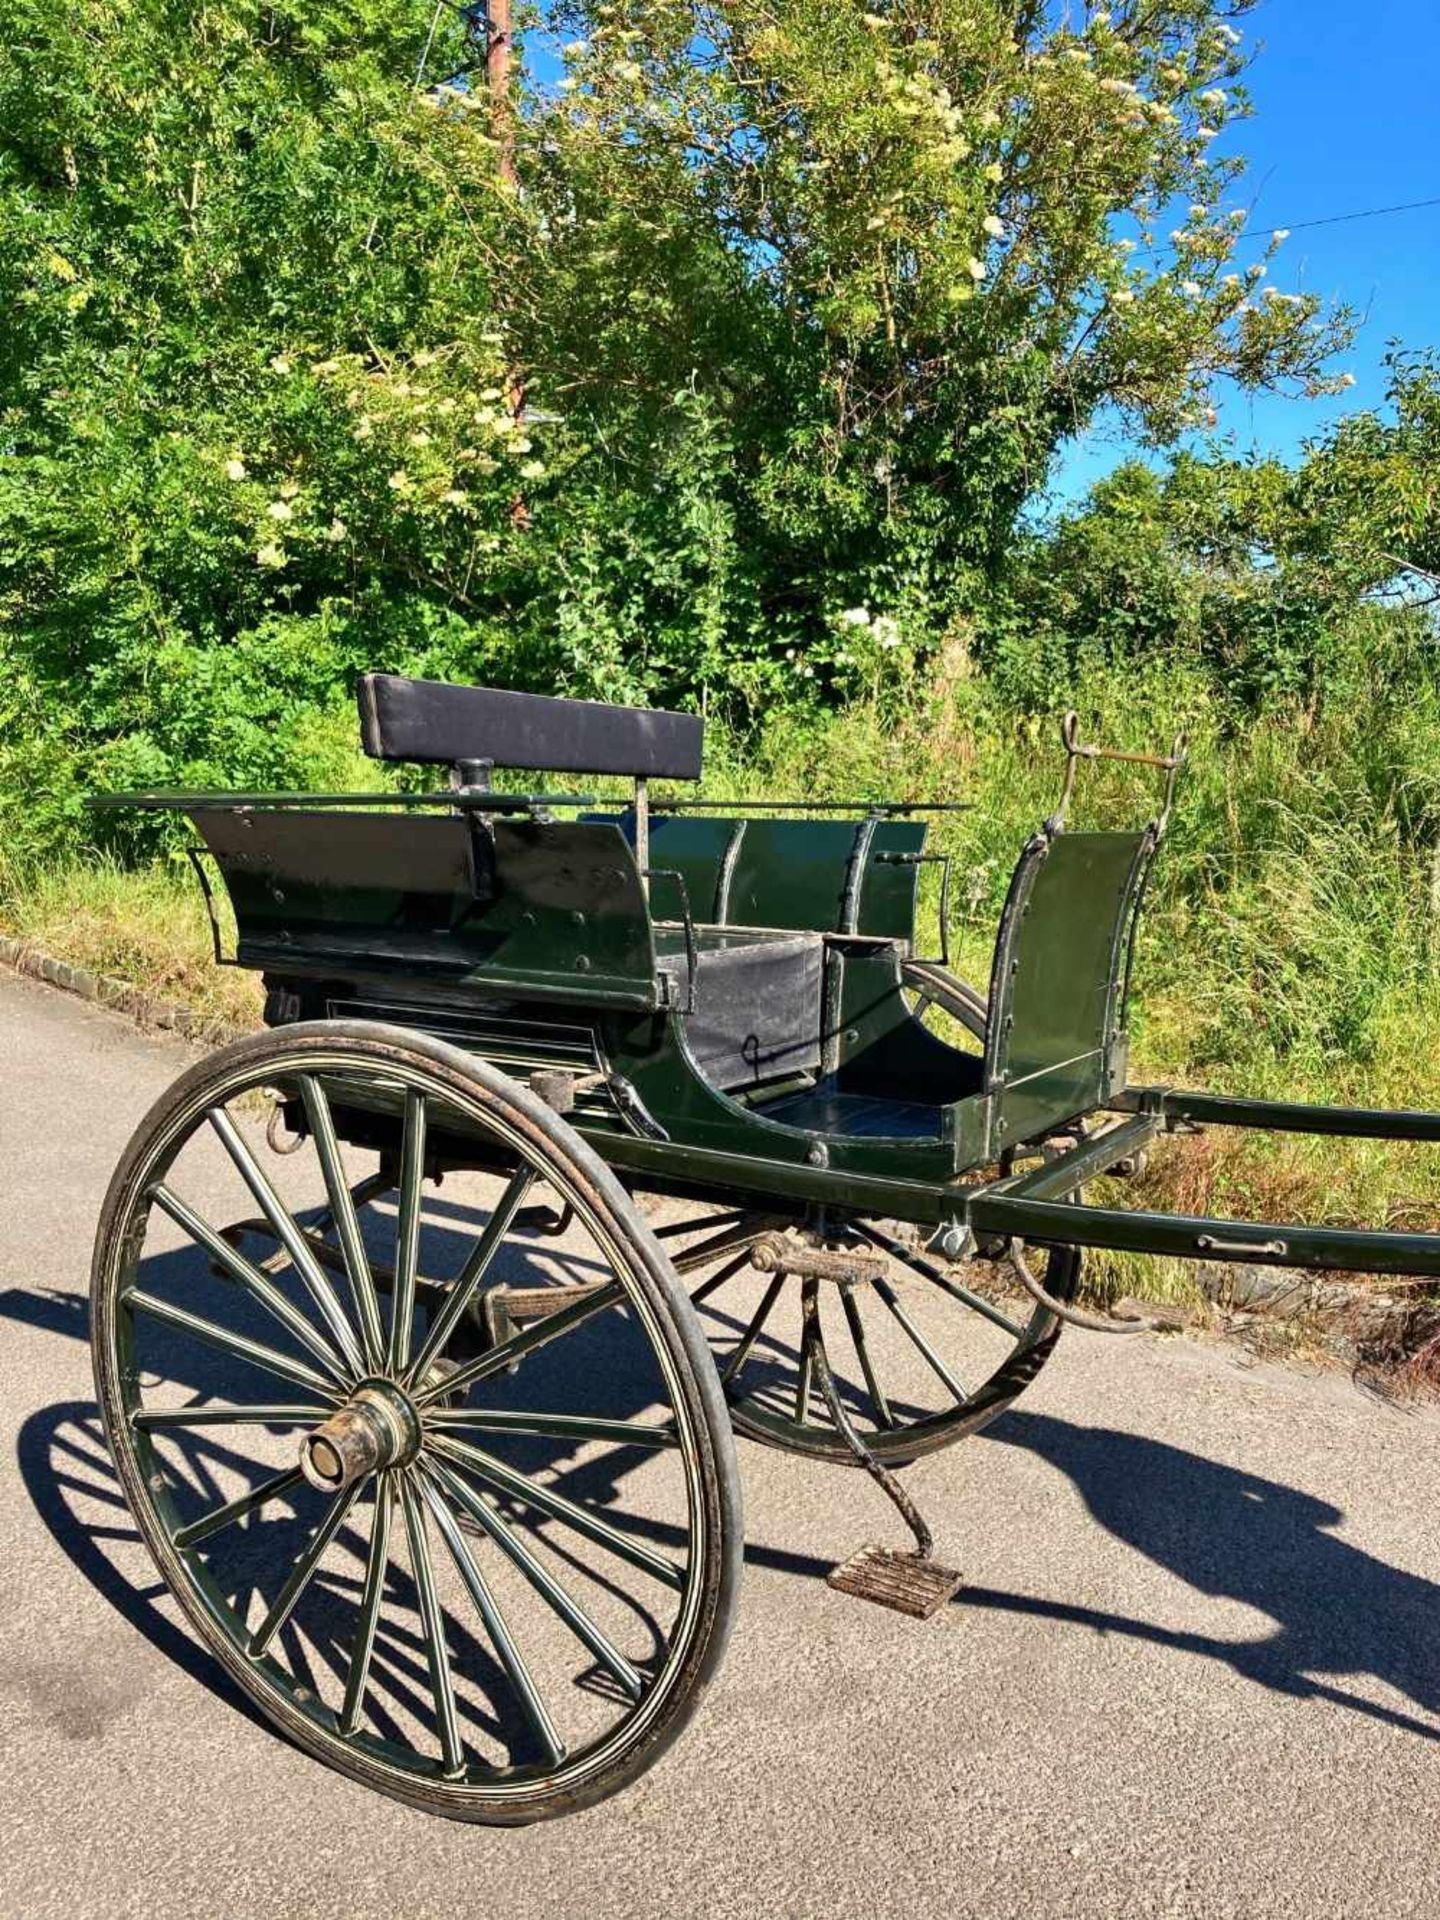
[1338,1612]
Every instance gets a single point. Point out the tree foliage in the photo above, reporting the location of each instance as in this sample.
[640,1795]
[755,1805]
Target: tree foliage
[801,299]
[1251,568]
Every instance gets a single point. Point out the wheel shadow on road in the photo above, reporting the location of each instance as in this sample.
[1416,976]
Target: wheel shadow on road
[1338,1612]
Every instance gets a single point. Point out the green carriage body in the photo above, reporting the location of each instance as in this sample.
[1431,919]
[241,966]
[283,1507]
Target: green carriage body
[721,1005]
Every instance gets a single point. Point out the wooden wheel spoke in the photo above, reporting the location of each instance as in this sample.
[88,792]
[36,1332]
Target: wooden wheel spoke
[521,1680]
[377,1565]
[717,1280]
[472,1273]
[806,1373]
[233,1510]
[288,1232]
[303,1572]
[922,1346]
[235,1344]
[250,1276]
[568,1426]
[539,1334]
[485,1467]
[975,1301]
[160,1419]
[544,1582]
[752,1332]
[884,1417]
[346,1219]
[432,1618]
[407,1232]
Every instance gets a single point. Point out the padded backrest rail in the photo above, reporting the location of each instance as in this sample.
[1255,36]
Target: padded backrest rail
[441,725]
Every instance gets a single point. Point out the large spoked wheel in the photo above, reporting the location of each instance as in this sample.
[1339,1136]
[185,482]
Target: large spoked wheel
[446,1484]
[923,1352]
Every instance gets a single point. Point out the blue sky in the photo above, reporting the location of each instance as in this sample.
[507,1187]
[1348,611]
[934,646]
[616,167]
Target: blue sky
[1347,116]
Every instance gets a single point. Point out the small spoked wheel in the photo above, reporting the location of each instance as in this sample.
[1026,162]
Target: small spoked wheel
[922,1351]
[443,1479]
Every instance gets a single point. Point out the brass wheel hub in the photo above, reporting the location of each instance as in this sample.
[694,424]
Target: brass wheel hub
[378,1427]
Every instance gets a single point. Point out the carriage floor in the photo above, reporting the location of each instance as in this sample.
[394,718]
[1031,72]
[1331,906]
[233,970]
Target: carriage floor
[825,1109]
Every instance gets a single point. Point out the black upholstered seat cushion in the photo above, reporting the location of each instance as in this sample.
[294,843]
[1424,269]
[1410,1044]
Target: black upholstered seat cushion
[758,1000]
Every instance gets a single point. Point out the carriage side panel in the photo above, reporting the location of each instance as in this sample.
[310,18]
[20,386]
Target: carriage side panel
[553,907]
[1055,1046]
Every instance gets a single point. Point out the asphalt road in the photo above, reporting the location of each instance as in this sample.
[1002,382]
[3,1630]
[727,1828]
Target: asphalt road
[1196,1670]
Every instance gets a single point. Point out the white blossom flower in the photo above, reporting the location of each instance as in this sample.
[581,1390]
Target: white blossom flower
[1205,133]
[573,49]
[280,510]
[289,489]
[569,83]
[855,617]
[271,556]
[533,470]
[1280,236]
[994,226]
[364,427]
[235,468]
[626,70]
[976,269]
[1122,297]
[399,481]
[336,531]
[1199,212]
[886,631]
[1191,288]
[1213,97]
[454,497]
[1229,34]
[280,364]
[1100,18]
[1347,379]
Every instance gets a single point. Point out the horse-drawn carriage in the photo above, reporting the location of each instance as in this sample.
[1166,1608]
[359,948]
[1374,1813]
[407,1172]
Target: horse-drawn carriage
[426,1423]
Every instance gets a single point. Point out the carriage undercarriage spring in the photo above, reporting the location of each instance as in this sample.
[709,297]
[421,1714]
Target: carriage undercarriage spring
[426,1420]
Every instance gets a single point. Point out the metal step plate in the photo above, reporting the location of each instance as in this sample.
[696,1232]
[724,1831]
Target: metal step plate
[904,1582]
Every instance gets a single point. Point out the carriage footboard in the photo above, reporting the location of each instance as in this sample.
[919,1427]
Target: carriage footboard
[1041,1206]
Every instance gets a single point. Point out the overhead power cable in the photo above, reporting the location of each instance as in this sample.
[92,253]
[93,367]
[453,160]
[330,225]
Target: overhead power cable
[1336,219]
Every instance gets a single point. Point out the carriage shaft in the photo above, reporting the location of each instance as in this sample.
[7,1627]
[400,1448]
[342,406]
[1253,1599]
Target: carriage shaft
[1279,1116]
[1038,1206]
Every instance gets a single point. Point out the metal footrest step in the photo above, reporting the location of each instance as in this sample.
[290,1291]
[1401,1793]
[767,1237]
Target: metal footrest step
[905,1582]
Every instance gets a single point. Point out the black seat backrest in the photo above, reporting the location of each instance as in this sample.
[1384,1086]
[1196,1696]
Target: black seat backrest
[443,725]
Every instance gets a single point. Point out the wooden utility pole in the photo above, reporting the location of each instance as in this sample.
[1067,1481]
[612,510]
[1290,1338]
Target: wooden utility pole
[498,44]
